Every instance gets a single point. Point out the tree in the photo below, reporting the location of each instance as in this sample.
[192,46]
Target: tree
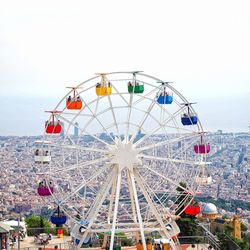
[187,223]
[243,227]
[41,225]
[36,223]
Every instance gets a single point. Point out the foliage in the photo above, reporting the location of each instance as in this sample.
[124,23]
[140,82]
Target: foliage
[227,239]
[228,206]
[37,225]
[243,227]
[228,229]
[181,184]
[119,235]
[187,223]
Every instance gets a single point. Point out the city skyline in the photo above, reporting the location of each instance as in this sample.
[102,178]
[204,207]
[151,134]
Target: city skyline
[202,48]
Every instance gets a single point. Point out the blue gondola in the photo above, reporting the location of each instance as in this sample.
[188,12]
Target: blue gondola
[58,217]
[58,220]
[189,119]
[165,99]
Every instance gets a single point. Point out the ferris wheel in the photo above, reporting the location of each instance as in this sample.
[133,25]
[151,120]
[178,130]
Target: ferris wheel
[123,152]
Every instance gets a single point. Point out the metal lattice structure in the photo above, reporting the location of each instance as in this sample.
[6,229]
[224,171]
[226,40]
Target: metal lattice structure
[122,157]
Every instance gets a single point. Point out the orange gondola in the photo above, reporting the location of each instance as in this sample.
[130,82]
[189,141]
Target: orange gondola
[74,102]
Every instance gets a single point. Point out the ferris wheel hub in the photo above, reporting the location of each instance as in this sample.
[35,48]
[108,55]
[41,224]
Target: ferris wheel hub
[124,154]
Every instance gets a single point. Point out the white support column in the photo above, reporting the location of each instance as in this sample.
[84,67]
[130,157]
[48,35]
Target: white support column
[154,210]
[131,197]
[97,205]
[112,199]
[117,195]
[132,178]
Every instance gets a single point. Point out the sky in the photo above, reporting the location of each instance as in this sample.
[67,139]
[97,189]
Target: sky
[202,46]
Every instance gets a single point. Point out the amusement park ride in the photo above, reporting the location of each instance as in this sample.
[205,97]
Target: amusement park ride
[139,139]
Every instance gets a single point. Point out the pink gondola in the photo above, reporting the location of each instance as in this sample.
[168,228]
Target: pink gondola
[45,191]
[202,148]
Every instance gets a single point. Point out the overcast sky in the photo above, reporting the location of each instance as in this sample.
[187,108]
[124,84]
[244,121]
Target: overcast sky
[203,46]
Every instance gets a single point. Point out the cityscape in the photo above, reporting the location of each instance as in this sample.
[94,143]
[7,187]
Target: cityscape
[229,168]
[124,125]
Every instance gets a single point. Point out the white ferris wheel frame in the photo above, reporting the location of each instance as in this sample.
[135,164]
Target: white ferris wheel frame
[114,179]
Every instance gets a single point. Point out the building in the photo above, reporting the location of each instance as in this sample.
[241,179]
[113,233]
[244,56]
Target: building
[217,224]
[62,131]
[4,236]
[209,211]
[236,224]
[76,129]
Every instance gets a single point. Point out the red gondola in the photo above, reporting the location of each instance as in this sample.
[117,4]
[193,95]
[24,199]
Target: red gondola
[53,127]
[74,102]
[192,210]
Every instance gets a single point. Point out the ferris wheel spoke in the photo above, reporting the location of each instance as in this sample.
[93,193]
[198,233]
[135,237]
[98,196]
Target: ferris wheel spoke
[79,147]
[182,203]
[146,115]
[119,94]
[157,158]
[97,119]
[145,96]
[157,128]
[114,117]
[91,217]
[84,131]
[151,204]
[78,166]
[167,179]
[80,186]
[137,206]
[131,197]
[185,147]
[112,197]
[101,195]
[128,117]
[117,195]
[167,142]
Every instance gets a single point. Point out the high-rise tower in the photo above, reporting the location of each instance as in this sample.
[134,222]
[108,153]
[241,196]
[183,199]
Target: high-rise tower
[76,129]
[236,227]
[62,131]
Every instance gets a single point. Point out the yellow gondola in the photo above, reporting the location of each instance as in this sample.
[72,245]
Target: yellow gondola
[104,87]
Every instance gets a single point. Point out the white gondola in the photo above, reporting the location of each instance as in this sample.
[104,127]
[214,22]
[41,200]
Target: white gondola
[42,152]
[173,229]
[203,180]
